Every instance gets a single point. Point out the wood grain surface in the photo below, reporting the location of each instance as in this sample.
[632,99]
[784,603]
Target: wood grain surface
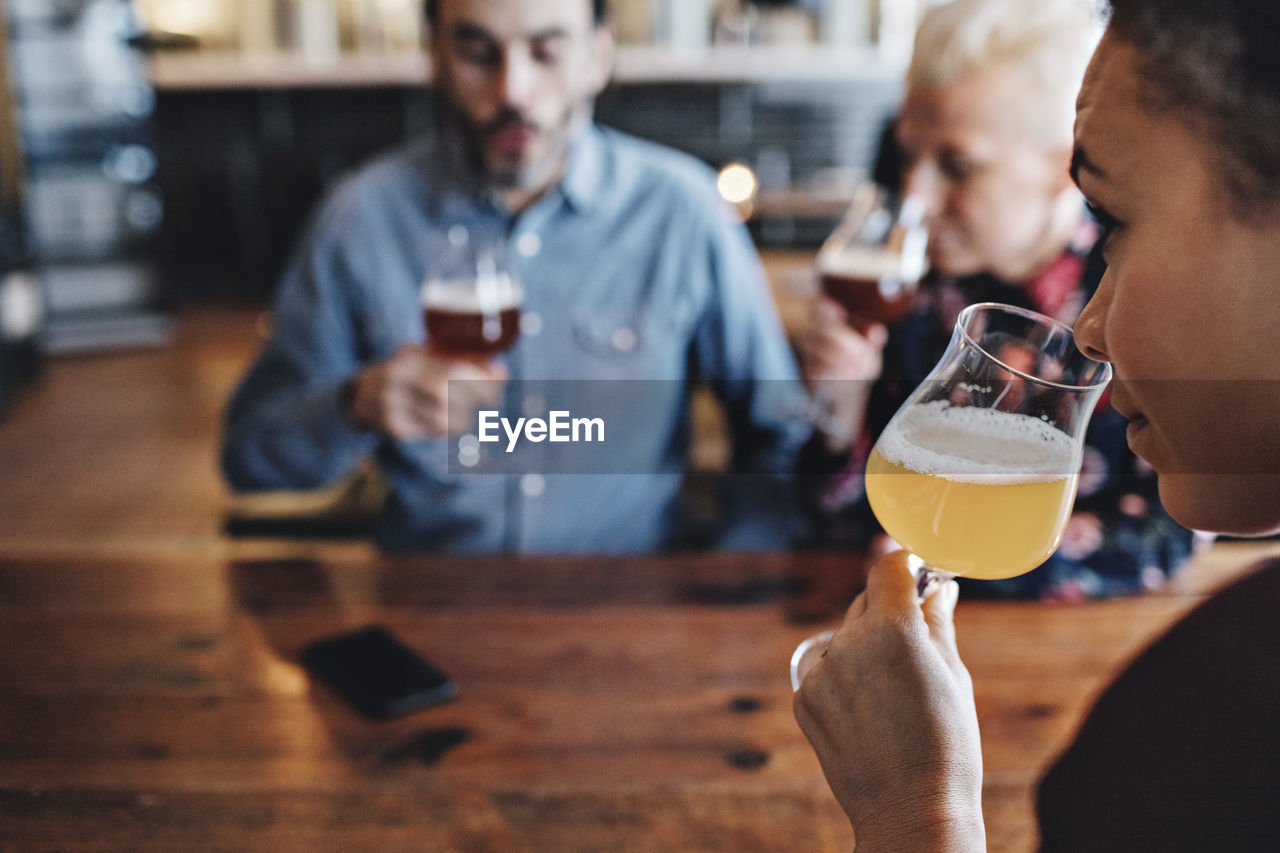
[153,697]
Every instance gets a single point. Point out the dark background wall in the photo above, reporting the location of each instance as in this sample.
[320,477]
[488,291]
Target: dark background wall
[240,170]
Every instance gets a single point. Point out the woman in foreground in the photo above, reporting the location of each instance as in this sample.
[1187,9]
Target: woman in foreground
[1178,149]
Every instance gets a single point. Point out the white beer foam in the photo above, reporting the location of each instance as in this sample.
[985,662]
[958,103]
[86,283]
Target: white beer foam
[974,445]
[870,263]
[466,296]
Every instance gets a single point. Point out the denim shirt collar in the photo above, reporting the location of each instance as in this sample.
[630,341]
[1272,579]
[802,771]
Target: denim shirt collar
[584,178]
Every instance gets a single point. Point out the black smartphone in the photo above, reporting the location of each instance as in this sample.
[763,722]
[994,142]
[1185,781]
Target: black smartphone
[376,673]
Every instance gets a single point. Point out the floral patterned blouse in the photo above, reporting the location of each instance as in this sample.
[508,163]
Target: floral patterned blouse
[1118,541]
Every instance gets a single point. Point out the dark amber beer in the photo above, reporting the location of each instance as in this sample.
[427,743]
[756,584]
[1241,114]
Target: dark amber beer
[872,285]
[872,263]
[472,320]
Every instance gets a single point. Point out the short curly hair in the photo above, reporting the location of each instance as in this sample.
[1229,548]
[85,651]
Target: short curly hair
[1215,63]
[1047,43]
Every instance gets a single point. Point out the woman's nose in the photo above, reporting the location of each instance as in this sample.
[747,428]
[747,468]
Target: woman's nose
[1091,326]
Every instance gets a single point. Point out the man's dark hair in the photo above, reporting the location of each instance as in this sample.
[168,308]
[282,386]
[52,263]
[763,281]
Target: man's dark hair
[1216,63]
[599,11]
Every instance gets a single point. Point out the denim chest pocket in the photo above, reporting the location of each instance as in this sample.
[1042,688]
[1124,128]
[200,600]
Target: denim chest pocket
[635,332]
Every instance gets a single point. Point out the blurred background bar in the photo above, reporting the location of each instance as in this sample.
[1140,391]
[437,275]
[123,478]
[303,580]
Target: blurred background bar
[91,207]
[261,105]
[20,307]
[164,153]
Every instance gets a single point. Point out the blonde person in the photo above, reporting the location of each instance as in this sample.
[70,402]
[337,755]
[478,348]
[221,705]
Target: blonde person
[985,139]
[1176,145]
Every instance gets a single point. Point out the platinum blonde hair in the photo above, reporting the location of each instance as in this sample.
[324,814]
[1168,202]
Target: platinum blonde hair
[1047,43]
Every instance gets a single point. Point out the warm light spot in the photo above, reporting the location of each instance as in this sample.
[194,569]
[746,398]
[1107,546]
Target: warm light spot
[283,678]
[193,17]
[737,183]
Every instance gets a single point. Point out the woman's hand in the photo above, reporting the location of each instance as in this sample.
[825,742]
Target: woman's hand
[889,711]
[840,363]
[832,348]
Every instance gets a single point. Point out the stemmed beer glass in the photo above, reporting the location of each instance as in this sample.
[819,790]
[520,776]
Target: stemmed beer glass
[471,298]
[976,473]
[871,265]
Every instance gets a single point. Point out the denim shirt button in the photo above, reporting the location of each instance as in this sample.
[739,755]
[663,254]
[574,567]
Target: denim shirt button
[533,485]
[623,339]
[529,245]
[530,324]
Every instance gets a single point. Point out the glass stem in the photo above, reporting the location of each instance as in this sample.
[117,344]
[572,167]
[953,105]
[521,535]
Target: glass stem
[927,577]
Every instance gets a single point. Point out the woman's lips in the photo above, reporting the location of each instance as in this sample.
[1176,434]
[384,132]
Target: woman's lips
[1135,432]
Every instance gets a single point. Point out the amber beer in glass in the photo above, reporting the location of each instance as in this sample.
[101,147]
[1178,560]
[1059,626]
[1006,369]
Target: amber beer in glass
[471,306]
[1000,516]
[460,323]
[872,263]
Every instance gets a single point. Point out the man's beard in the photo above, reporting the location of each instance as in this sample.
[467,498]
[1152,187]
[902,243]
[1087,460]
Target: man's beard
[476,143]
[491,170]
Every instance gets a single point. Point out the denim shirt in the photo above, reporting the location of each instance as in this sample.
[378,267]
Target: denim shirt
[632,268]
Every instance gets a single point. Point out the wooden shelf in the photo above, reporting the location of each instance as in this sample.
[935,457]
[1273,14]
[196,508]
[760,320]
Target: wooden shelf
[196,70]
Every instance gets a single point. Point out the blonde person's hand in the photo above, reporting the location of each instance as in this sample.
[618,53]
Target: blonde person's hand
[419,394]
[832,348]
[889,711]
[840,363]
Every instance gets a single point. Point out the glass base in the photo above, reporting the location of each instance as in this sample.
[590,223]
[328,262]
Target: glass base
[814,648]
[807,654]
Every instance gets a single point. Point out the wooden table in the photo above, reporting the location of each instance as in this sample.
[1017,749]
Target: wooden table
[150,697]
[156,702]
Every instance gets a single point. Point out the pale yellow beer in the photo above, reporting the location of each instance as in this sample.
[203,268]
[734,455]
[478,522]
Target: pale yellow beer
[973,492]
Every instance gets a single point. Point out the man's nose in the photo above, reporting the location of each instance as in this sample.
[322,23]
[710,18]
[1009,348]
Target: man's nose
[516,82]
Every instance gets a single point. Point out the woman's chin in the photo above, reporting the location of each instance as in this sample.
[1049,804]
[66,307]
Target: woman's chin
[1233,504]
